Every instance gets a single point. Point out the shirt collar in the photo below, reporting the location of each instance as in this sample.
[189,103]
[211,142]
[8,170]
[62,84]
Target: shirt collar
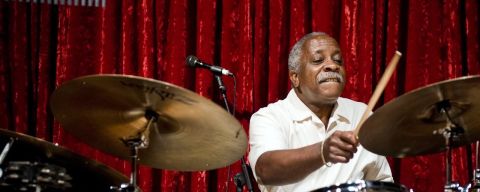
[301,112]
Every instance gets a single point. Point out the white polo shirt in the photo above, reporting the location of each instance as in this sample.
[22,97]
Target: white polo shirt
[289,124]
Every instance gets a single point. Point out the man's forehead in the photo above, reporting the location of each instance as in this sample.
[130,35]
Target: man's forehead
[321,40]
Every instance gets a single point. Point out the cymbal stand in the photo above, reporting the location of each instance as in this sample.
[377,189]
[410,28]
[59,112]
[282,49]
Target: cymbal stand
[242,178]
[451,134]
[138,141]
[4,153]
[474,186]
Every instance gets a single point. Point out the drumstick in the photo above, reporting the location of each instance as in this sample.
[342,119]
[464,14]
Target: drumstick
[379,89]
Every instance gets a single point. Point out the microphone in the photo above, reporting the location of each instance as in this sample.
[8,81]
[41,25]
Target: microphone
[193,61]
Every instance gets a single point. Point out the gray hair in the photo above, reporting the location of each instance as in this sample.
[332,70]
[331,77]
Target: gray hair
[296,52]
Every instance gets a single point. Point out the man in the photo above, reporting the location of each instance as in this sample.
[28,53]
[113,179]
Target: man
[306,141]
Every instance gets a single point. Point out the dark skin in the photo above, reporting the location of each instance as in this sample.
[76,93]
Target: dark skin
[320,53]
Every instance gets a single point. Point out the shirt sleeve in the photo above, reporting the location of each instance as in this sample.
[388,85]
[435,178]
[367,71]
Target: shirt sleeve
[380,171]
[266,134]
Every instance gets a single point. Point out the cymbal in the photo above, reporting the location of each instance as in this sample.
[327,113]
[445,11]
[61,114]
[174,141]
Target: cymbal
[189,133]
[86,174]
[415,124]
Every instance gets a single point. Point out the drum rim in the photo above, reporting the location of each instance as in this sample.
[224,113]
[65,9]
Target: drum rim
[369,184]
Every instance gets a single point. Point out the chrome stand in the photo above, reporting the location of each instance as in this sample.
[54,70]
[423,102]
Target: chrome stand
[4,153]
[138,141]
[451,133]
[474,186]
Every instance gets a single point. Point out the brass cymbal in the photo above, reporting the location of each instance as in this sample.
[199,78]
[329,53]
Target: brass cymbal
[190,132]
[415,124]
[86,174]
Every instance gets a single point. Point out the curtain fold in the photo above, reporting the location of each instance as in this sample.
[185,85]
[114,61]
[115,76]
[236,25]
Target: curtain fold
[45,45]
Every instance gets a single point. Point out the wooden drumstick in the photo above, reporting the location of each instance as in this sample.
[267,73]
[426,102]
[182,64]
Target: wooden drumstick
[379,89]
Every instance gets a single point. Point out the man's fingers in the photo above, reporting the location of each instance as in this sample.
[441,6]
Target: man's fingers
[341,146]
[349,137]
[340,155]
[337,141]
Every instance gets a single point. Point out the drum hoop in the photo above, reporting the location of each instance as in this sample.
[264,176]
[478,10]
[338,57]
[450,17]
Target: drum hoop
[365,184]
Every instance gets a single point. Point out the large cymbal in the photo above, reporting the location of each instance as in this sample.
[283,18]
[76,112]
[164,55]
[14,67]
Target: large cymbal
[191,133]
[86,174]
[413,124]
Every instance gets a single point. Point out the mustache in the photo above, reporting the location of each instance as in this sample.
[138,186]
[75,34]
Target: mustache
[323,76]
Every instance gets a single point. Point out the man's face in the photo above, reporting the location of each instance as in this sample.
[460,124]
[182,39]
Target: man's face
[321,74]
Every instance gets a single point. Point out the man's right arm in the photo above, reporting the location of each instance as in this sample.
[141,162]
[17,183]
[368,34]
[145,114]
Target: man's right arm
[275,164]
[281,167]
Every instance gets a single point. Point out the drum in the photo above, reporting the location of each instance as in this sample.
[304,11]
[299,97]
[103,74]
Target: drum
[33,164]
[365,186]
[475,187]
[34,176]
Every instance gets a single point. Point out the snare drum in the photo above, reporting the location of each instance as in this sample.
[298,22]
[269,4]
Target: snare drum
[365,186]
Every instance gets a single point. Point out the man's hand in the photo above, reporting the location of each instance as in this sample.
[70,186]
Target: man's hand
[340,147]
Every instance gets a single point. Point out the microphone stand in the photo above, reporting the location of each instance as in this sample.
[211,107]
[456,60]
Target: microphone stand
[239,182]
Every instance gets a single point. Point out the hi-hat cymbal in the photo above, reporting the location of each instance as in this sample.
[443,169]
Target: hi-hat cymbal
[190,133]
[86,174]
[414,124]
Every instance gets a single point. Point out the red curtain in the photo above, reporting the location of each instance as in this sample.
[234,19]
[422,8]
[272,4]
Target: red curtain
[44,45]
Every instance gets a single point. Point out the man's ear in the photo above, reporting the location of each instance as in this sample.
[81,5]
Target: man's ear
[293,78]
